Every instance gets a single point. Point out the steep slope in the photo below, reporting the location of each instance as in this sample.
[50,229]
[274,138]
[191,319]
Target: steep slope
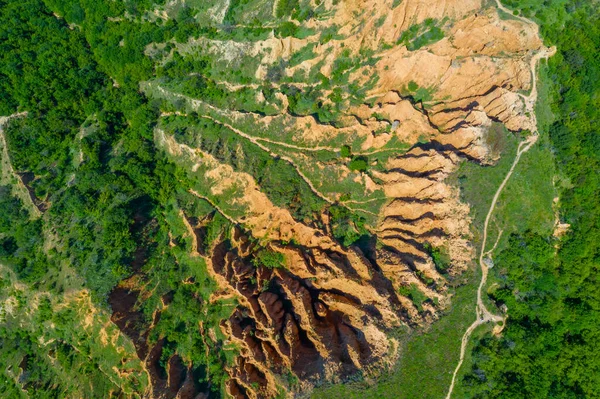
[257,188]
[371,109]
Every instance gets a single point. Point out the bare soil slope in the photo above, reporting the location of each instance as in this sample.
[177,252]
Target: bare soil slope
[371,108]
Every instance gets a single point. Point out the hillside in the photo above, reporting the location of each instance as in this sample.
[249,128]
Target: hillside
[254,198]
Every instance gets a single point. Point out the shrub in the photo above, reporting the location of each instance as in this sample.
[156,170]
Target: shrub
[412,86]
[345,151]
[286,7]
[269,259]
[359,164]
[287,29]
[439,256]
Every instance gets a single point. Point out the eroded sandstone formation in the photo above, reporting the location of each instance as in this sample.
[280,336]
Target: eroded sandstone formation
[325,313]
[319,317]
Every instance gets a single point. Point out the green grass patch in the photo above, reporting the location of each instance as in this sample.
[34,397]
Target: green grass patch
[414,294]
[419,94]
[269,259]
[359,164]
[440,257]
[347,227]
[526,201]
[421,35]
[304,54]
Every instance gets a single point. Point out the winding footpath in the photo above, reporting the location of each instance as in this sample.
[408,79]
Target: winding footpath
[483,315]
[8,171]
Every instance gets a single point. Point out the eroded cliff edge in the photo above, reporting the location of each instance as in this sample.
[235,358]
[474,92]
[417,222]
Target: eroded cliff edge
[370,110]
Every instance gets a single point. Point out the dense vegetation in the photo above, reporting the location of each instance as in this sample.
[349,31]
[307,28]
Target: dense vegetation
[86,144]
[420,35]
[549,348]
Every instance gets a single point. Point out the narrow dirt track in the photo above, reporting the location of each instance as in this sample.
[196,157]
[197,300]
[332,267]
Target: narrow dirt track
[483,315]
[232,114]
[259,142]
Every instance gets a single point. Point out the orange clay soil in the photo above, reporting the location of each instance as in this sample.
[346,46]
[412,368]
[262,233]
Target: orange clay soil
[326,313]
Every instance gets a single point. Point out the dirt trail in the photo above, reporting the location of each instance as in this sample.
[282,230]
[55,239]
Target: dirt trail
[197,194]
[506,10]
[237,86]
[483,315]
[531,98]
[257,141]
[254,139]
[231,114]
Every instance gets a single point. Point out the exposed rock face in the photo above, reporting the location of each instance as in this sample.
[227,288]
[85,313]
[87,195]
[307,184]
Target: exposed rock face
[321,316]
[326,312]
